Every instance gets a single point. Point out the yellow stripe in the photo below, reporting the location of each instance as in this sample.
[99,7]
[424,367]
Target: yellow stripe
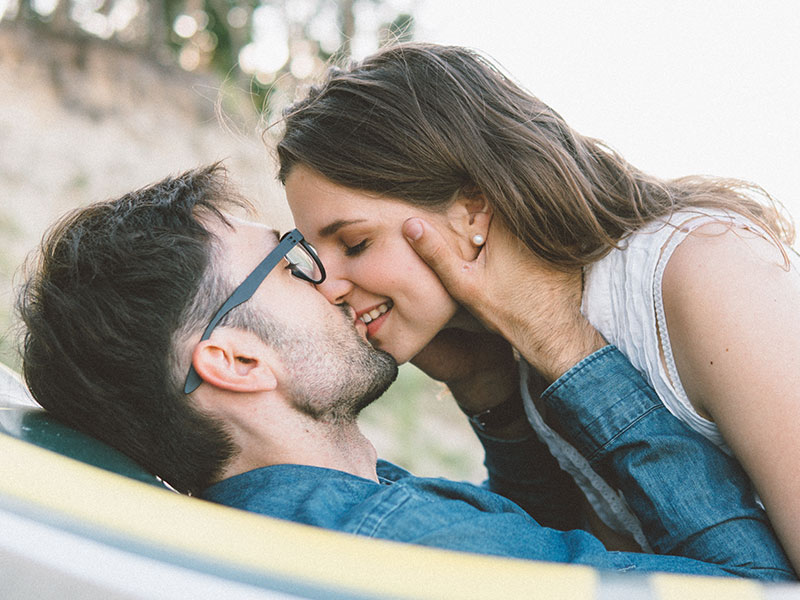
[685,587]
[225,536]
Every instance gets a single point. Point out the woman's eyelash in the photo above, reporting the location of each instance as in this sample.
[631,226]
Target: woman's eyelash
[354,250]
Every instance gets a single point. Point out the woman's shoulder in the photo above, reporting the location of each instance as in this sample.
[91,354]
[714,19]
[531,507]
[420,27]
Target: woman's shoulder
[643,251]
[680,222]
[632,273]
[721,242]
[726,255]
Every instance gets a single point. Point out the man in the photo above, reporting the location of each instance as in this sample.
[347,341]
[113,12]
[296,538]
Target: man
[155,323]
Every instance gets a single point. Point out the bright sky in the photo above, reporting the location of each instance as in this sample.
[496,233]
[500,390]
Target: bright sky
[678,87]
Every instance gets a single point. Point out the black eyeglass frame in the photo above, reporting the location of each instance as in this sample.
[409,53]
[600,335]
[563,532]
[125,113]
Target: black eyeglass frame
[248,287]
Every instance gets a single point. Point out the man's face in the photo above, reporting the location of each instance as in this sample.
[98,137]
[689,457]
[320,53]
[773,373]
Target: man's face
[328,369]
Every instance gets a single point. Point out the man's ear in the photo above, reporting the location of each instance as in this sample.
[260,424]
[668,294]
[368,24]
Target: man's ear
[235,360]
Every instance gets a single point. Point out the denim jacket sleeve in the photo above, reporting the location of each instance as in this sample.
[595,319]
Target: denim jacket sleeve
[524,471]
[691,498]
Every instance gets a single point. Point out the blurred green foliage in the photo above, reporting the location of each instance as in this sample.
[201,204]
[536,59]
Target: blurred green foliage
[417,424]
[268,47]
[9,235]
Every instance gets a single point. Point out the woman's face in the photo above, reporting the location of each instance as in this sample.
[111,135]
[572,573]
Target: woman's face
[369,263]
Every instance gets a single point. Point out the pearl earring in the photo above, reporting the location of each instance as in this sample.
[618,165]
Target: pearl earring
[477,239]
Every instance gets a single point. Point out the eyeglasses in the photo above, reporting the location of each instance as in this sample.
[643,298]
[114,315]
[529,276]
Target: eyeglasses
[304,264]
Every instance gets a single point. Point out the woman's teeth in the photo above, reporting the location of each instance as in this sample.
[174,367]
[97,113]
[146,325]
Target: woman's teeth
[370,316]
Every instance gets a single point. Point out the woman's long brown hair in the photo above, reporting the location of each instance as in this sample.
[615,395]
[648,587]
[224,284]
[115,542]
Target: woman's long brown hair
[423,122]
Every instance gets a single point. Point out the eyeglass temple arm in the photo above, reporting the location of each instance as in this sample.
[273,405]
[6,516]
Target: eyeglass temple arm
[242,294]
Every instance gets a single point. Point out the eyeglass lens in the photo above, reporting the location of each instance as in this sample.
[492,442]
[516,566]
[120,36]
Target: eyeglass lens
[302,263]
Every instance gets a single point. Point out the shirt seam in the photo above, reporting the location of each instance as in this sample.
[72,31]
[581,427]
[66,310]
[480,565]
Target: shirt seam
[372,524]
[576,369]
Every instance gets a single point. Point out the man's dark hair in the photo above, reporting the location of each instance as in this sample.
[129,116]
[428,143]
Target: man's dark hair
[115,289]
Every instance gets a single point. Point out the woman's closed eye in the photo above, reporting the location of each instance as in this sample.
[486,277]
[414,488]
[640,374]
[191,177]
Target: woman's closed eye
[356,249]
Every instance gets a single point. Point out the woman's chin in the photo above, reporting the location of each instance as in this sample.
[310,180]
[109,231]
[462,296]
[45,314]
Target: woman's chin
[463,319]
[400,355]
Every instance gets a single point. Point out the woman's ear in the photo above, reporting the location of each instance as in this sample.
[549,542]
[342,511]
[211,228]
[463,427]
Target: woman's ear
[470,216]
[235,360]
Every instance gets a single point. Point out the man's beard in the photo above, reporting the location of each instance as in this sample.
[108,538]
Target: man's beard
[333,372]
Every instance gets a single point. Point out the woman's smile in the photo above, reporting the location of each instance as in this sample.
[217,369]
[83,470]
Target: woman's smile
[375,317]
[396,295]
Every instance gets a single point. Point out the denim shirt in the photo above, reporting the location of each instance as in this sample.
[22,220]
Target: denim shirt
[694,502]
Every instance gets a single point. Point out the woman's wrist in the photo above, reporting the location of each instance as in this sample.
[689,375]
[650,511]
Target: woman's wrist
[488,388]
[506,420]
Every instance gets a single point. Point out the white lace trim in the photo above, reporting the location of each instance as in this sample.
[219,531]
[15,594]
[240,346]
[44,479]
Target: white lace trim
[609,505]
[678,403]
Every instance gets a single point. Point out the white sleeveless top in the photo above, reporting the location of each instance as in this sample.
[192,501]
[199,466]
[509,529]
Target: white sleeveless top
[622,299]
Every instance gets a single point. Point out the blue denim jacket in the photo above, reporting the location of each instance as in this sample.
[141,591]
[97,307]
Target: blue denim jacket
[693,500]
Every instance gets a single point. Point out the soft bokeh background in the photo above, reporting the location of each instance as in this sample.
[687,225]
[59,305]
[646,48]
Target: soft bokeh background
[102,96]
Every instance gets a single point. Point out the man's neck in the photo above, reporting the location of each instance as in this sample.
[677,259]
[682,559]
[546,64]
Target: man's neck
[301,440]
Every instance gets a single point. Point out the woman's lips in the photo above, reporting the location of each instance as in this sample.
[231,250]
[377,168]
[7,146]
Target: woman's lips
[361,328]
[375,316]
[358,324]
[375,324]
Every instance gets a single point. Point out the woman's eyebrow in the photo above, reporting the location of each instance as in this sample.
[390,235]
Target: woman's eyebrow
[332,228]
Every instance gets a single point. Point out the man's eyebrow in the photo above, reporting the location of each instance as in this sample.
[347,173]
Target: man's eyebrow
[332,228]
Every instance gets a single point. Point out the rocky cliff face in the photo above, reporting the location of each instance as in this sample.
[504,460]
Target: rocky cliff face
[83,120]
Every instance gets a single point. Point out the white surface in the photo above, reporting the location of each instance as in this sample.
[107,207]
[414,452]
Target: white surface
[42,562]
[678,88]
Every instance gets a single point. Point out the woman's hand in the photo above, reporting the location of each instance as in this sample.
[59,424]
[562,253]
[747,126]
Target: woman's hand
[531,304]
[481,372]
[478,367]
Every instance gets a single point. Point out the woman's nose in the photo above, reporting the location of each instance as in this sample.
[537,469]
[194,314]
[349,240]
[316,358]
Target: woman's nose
[335,288]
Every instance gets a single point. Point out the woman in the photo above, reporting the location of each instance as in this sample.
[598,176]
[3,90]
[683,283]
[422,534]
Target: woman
[691,278]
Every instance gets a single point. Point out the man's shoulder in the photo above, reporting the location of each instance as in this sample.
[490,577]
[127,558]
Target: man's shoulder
[281,490]
[266,480]
[390,472]
[312,495]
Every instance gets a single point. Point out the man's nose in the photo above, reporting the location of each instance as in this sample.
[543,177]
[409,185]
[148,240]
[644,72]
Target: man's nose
[335,288]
